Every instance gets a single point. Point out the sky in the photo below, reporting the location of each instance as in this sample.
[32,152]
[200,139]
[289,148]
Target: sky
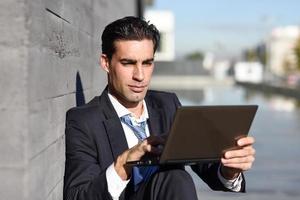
[226,27]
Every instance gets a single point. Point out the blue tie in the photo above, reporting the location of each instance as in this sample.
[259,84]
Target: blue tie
[141,173]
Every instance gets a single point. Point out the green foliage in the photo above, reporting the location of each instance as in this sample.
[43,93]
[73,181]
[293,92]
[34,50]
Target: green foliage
[197,55]
[250,55]
[297,53]
[256,54]
[263,58]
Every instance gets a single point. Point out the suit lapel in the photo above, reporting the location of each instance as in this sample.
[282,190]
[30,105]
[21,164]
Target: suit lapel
[156,123]
[114,130]
[116,136]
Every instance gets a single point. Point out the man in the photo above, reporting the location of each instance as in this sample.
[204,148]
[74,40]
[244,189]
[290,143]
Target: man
[102,135]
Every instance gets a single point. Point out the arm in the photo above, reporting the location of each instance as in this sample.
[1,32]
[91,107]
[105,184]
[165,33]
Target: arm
[237,161]
[209,174]
[84,178]
[148,145]
[232,165]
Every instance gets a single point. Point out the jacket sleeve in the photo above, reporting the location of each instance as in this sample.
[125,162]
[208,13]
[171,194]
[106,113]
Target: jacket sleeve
[84,179]
[209,174]
[176,101]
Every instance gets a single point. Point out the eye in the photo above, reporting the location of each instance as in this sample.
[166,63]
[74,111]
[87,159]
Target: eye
[148,63]
[127,63]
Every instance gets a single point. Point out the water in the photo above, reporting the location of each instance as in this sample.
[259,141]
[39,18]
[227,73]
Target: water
[276,128]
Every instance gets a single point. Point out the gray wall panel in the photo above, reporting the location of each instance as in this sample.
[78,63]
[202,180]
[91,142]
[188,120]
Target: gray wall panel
[46,46]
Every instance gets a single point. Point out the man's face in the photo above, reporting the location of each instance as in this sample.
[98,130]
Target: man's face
[130,70]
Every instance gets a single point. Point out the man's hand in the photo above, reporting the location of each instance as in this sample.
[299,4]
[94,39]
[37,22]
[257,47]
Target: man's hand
[149,145]
[236,161]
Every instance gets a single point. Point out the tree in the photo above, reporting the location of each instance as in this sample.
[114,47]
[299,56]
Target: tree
[257,53]
[262,54]
[197,55]
[250,55]
[297,53]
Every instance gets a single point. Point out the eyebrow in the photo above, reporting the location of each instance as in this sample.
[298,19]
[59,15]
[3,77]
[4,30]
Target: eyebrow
[128,60]
[148,60]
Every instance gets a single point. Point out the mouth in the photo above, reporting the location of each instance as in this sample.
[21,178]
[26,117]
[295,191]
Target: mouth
[137,88]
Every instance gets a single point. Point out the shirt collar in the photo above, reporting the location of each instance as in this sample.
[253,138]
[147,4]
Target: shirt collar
[121,110]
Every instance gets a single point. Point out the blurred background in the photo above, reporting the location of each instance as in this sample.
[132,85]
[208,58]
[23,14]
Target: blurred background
[211,52]
[239,52]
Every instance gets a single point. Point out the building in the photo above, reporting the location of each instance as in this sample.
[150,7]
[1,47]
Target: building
[165,22]
[280,50]
[248,72]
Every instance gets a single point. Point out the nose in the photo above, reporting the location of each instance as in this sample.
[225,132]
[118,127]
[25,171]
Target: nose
[138,73]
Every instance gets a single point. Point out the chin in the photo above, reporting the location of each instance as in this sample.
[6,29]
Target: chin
[135,98]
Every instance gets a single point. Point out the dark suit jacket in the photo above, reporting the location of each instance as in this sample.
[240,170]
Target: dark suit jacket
[95,138]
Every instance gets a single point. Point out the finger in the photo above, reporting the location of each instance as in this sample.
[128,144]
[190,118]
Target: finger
[240,166]
[248,159]
[155,150]
[151,149]
[146,146]
[135,153]
[250,149]
[246,151]
[155,140]
[246,141]
[140,149]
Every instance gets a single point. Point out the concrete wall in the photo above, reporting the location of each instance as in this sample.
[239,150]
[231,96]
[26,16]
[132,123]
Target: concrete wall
[49,49]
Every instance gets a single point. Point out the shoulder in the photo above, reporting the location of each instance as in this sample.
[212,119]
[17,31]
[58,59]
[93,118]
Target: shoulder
[162,98]
[160,94]
[86,111]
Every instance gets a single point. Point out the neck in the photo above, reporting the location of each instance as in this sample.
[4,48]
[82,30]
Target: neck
[136,108]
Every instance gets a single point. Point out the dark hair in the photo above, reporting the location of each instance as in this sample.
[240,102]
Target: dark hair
[128,28]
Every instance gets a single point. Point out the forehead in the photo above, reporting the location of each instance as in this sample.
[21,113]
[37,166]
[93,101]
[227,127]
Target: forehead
[134,48]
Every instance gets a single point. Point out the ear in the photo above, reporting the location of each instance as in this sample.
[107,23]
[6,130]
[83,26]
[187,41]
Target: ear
[104,62]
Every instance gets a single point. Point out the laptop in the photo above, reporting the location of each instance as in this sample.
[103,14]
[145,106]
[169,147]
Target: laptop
[202,134]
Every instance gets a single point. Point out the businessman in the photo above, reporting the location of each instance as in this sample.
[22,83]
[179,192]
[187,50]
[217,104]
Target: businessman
[127,121]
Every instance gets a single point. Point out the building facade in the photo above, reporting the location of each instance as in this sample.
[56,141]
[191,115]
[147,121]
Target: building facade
[165,22]
[281,59]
